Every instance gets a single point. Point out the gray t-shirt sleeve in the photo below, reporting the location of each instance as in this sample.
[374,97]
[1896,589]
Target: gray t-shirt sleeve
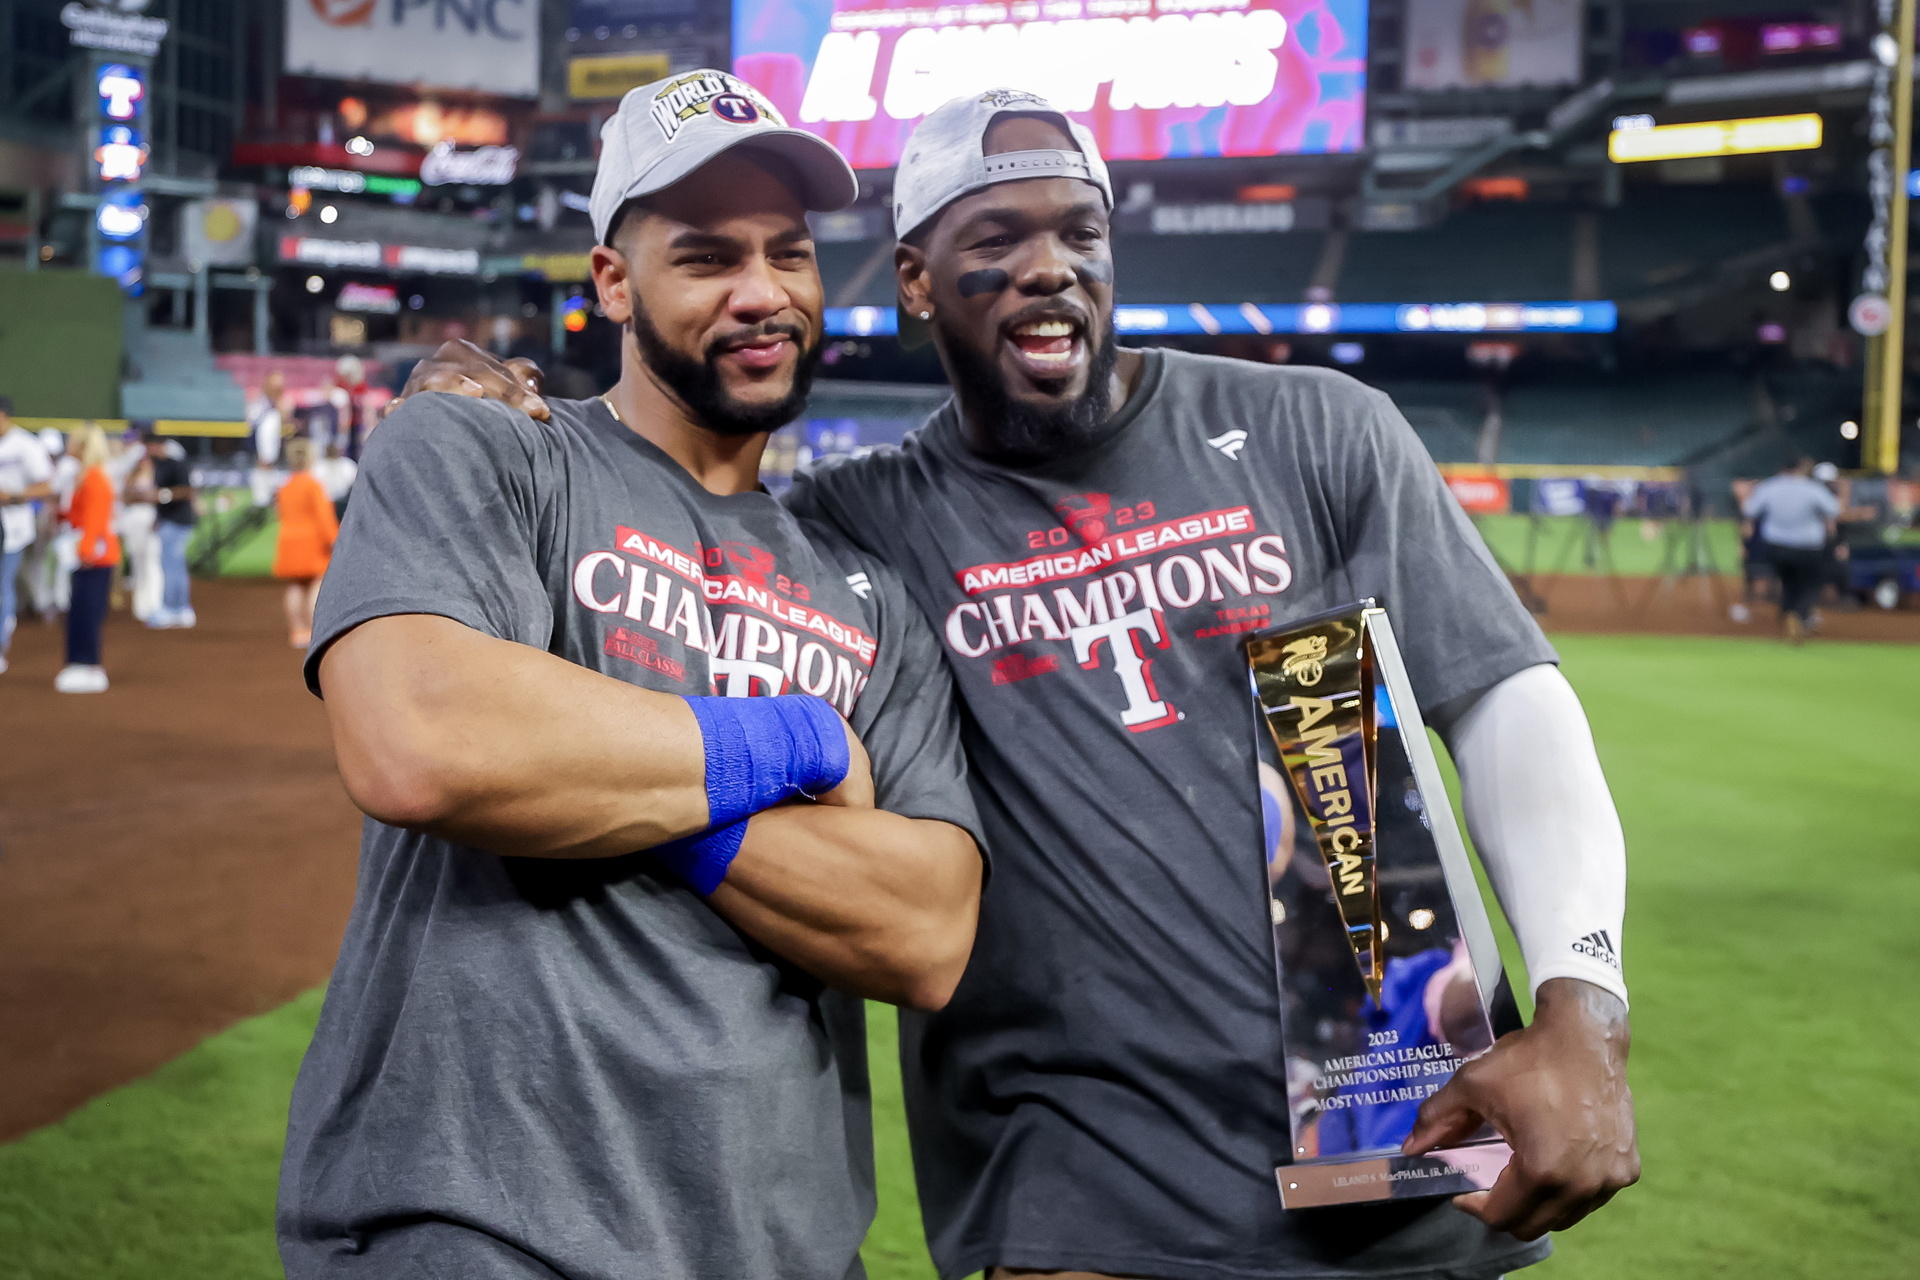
[1406,541]
[847,493]
[909,719]
[444,520]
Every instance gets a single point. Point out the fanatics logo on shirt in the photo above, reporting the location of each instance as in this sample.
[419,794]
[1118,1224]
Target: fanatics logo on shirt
[1229,443]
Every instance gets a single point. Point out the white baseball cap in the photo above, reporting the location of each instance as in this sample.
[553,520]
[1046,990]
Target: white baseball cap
[665,130]
[946,158]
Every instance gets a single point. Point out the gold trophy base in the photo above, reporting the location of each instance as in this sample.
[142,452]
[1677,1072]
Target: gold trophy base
[1449,1172]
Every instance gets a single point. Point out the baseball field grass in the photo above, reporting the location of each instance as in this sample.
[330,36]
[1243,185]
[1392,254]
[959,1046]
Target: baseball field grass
[1769,803]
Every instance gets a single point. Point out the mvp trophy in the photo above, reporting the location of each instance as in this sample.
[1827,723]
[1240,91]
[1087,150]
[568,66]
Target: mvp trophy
[1389,974]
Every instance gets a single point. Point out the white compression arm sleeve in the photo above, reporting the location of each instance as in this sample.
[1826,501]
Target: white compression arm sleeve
[1539,811]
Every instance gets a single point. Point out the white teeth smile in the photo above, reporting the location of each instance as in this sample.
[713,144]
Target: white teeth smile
[1045,329]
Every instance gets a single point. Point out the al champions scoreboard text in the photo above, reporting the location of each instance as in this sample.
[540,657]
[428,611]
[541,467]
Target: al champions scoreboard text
[1153,79]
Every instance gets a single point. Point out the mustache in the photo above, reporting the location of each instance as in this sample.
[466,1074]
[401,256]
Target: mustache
[765,329]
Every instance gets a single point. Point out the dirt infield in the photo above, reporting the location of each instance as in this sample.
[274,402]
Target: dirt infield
[1694,606]
[175,854]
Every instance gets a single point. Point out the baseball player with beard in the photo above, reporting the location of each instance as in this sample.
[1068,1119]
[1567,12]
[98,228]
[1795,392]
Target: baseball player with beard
[1091,530]
[598,1011]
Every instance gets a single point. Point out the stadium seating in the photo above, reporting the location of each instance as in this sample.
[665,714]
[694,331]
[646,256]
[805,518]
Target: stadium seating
[1208,268]
[1661,236]
[1484,253]
[840,265]
[1663,420]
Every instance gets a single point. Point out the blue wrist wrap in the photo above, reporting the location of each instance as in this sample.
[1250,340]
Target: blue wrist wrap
[760,753]
[702,860]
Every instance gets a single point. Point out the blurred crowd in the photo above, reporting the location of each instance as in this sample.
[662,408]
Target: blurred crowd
[91,522]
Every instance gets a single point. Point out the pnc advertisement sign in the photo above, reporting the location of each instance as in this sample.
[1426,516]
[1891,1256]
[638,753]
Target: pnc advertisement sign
[1153,79]
[490,45]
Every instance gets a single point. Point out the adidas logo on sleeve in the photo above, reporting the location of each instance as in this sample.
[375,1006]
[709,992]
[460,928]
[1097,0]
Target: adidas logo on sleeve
[1598,945]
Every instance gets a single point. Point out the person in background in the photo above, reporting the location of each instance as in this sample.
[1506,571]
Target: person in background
[1754,569]
[175,514]
[139,547]
[308,528]
[51,577]
[26,474]
[1792,515]
[265,416]
[348,397]
[90,514]
[335,473]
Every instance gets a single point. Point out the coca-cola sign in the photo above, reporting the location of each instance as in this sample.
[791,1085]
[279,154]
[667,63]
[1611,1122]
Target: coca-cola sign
[481,167]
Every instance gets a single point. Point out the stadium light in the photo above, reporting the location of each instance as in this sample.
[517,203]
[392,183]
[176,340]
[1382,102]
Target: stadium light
[1780,281]
[1849,430]
[315,284]
[1715,138]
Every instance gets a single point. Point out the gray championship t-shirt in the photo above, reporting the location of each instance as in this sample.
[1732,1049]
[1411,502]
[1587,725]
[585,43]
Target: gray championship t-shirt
[576,1068]
[1106,1091]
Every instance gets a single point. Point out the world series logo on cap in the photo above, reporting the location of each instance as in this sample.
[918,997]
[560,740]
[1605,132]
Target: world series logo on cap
[709,93]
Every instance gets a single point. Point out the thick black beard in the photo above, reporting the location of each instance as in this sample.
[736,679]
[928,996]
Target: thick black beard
[1007,430]
[697,381]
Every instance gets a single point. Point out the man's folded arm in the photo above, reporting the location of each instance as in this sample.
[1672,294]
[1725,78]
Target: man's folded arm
[442,729]
[865,900]
[502,747]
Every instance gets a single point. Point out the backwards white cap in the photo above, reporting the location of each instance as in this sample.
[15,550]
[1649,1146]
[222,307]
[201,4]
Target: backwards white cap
[665,130]
[946,157]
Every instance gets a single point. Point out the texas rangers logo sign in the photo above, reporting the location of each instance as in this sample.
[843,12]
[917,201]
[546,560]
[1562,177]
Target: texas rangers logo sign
[735,109]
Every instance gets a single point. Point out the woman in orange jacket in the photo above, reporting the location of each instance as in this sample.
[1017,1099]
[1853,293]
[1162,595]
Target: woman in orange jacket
[307,530]
[90,511]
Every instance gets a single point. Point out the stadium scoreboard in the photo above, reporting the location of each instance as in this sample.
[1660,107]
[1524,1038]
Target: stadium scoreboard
[1152,79]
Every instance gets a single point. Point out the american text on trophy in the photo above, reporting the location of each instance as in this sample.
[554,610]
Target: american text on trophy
[1390,977]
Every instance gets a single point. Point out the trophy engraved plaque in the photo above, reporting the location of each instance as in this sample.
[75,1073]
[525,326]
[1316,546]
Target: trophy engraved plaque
[1390,977]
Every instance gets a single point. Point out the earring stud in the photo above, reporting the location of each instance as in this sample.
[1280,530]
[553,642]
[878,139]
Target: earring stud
[926,315]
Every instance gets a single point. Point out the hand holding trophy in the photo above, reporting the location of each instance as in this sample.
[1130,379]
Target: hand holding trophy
[1390,978]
